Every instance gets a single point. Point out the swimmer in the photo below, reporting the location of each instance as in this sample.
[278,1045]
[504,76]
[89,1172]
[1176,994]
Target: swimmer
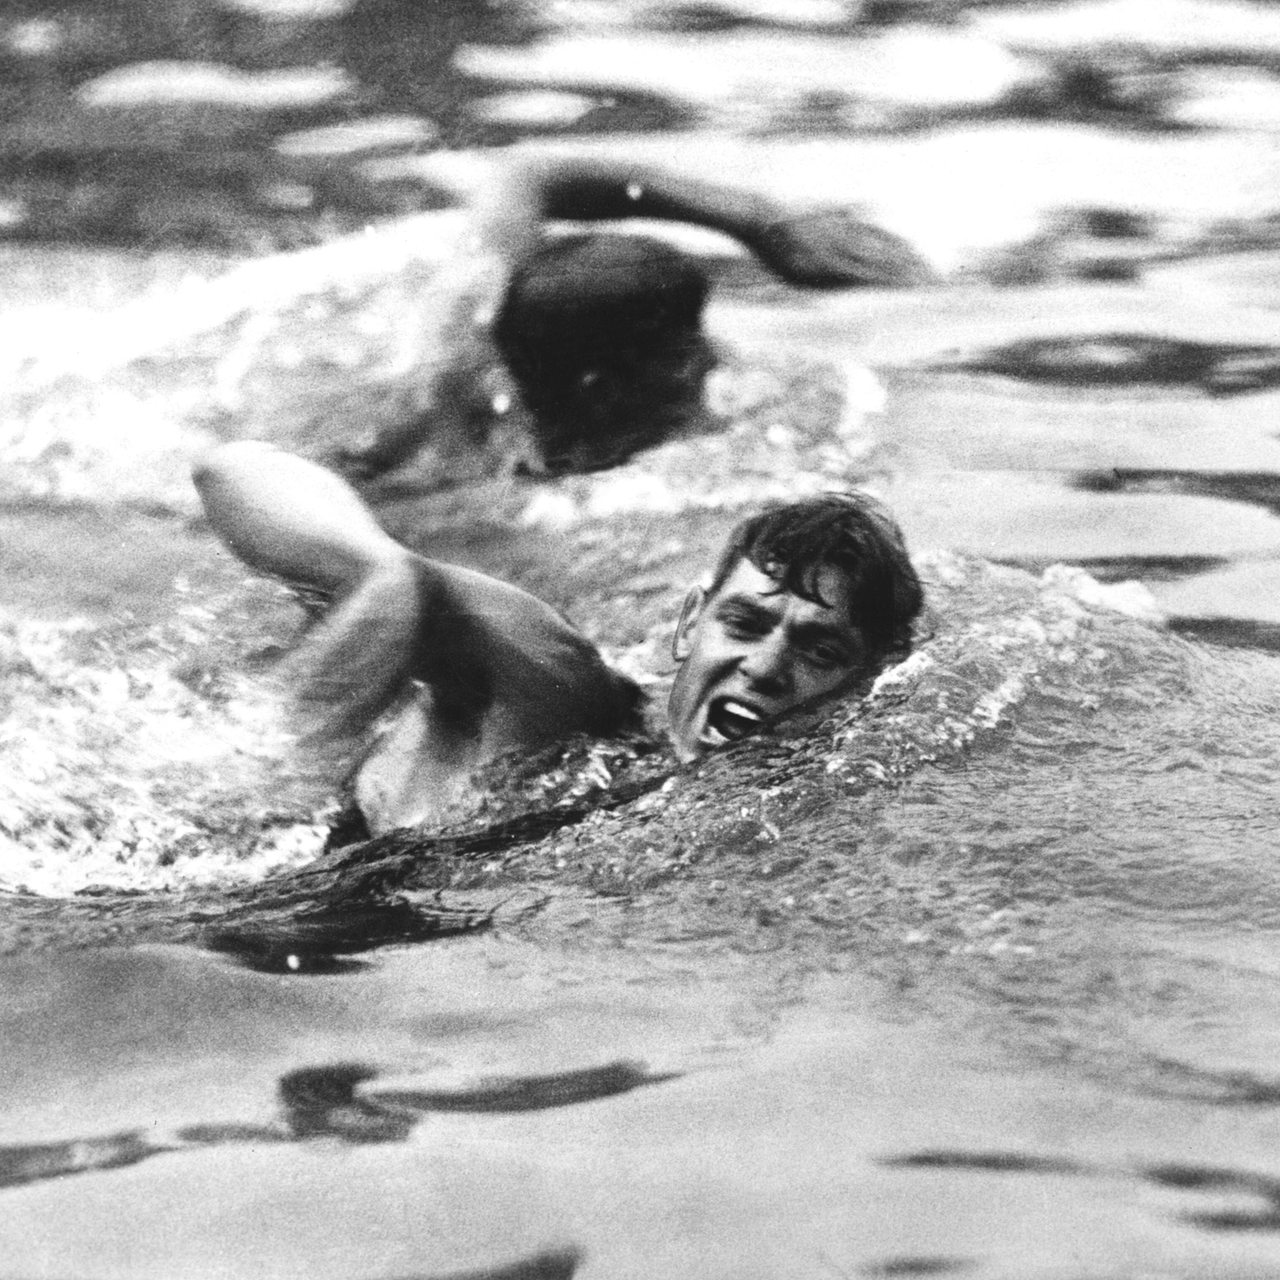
[807,601]
[590,346]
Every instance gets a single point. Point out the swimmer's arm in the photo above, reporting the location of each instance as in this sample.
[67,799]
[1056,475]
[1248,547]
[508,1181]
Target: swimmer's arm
[508,200]
[395,616]
[826,246]
[599,190]
[291,518]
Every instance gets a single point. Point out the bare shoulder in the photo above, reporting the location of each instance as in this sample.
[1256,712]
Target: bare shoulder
[485,631]
[541,677]
[492,602]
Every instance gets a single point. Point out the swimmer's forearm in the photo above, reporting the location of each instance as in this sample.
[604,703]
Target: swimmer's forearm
[295,519]
[823,246]
[601,190]
[286,516]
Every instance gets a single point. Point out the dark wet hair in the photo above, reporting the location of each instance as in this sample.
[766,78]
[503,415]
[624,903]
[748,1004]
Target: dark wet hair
[853,534]
[603,333]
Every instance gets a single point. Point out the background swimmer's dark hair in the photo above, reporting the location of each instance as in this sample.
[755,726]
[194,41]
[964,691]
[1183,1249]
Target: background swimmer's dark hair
[604,335]
[853,534]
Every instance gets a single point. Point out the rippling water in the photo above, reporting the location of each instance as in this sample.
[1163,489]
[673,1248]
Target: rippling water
[1010,921]
[977,976]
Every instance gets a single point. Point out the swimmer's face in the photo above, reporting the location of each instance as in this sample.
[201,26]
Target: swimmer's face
[754,651]
[600,412]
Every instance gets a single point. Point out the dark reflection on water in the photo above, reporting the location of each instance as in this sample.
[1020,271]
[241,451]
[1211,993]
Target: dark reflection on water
[1233,632]
[1172,1078]
[315,941]
[349,901]
[22,1164]
[916,1266]
[321,1102]
[326,1102]
[1259,487]
[984,1161]
[555,1264]
[1131,359]
[1258,1210]
[530,1093]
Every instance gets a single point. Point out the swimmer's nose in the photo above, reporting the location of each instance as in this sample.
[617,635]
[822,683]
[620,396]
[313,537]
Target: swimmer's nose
[768,664]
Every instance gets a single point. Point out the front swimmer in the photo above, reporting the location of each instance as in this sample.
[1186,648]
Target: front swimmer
[808,600]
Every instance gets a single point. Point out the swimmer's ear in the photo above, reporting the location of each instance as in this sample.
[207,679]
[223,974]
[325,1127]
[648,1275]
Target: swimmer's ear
[682,641]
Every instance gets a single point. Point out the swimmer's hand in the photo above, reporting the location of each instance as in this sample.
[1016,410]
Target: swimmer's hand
[831,248]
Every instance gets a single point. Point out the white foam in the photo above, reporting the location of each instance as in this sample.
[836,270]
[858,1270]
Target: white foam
[122,775]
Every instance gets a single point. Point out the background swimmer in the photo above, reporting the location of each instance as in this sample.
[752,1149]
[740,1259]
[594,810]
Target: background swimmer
[592,343]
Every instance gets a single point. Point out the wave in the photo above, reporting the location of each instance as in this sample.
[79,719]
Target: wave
[150,757]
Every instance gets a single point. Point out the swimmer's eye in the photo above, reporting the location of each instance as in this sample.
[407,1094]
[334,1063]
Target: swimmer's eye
[744,625]
[827,656]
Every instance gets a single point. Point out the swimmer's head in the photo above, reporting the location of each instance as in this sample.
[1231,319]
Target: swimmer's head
[808,600]
[603,334]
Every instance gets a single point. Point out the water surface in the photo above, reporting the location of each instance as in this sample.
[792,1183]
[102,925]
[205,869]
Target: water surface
[975,978]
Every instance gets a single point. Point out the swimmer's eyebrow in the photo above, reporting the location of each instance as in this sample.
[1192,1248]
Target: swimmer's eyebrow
[751,606]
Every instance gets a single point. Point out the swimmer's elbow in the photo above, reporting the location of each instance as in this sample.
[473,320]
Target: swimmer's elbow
[205,469]
[222,462]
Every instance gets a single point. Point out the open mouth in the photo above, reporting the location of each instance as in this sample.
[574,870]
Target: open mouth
[728,720]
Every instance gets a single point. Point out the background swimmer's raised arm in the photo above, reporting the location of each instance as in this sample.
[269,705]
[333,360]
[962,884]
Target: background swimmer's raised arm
[822,246]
